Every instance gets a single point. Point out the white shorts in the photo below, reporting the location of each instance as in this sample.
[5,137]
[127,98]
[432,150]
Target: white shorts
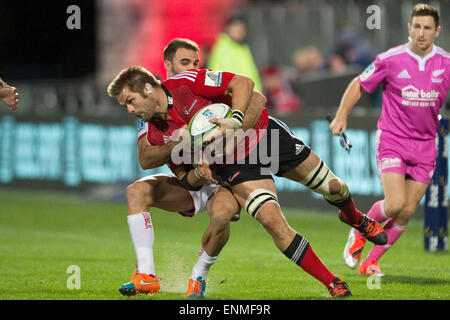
[199,198]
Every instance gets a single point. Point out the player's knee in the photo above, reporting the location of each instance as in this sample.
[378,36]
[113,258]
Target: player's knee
[222,215]
[323,181]
[336,186]
[405,214]
[140,192]
[394,208]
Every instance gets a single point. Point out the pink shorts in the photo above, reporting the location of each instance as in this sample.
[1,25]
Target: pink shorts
[416,158]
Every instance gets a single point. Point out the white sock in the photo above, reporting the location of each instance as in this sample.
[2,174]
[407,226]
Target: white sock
[202,266]
[142,235]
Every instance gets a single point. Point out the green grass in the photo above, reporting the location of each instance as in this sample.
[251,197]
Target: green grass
[41,235]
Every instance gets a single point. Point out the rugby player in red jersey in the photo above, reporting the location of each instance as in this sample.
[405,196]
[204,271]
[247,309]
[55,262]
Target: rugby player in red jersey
[165,191]
[181,96]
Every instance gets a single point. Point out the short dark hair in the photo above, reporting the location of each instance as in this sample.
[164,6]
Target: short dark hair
[175,44]
[423,9]
[135,78]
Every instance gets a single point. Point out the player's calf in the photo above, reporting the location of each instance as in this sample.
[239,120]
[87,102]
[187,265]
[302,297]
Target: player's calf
[322,180]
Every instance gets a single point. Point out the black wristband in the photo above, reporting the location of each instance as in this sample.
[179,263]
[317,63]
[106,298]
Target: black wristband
[187,185]
[238,115]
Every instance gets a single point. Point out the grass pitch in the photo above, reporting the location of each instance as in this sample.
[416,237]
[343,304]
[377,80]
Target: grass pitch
[42,235]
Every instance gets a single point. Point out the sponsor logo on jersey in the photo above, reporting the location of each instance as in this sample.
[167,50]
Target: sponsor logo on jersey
[404,74]
[187,111]
[140,124]
[367,72]
[412,93]
[213,78]
[435,74]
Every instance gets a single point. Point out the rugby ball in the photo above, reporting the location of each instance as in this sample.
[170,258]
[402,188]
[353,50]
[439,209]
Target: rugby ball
[201,128]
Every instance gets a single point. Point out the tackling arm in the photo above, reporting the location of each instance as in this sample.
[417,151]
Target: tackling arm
[247,104]
[191,180]
[241,90]
[255,108]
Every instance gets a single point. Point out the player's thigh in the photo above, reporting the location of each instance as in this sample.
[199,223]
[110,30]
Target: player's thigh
[222,205]
[165,192]
[303,169]
[269,214]
[394,187]
[415,190]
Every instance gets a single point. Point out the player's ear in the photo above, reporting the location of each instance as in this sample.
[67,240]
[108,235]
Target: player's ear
[438,30]
[167,64]
[148,88]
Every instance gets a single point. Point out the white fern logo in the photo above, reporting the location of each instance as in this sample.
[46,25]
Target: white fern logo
[437,73]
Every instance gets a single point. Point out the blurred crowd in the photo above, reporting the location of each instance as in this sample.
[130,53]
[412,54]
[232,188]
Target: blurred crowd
[280,83]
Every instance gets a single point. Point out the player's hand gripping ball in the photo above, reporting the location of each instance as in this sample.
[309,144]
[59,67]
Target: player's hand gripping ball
[201,129]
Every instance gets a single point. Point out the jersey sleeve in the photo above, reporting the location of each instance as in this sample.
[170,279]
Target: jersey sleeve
[373,75]
[142,129]
[212,84]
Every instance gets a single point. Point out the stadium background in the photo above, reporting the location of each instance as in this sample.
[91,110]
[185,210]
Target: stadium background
[67,134]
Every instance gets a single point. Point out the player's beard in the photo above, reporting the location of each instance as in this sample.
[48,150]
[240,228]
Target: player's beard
[144,116]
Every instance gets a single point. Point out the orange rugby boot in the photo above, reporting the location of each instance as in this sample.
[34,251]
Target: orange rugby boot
[353,248]
[140,283]
[196,288]
[371,267]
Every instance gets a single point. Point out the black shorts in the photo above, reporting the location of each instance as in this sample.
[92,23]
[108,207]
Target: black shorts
[278,151]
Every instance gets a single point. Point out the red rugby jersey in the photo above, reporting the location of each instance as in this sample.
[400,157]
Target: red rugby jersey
[194,89]
[158,132]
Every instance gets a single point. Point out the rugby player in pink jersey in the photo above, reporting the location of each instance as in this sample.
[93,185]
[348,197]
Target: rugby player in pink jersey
[415,78]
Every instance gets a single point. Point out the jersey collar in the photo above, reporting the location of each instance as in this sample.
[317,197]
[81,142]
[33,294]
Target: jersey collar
[169,97]
[421,61]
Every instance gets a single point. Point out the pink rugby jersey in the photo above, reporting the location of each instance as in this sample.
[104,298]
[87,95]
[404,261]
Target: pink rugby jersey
[414,89]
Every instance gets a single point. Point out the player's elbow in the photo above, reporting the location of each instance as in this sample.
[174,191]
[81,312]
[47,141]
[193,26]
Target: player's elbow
[147,164]
[241,81]
[250,83]
[357,86]
[260,97]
